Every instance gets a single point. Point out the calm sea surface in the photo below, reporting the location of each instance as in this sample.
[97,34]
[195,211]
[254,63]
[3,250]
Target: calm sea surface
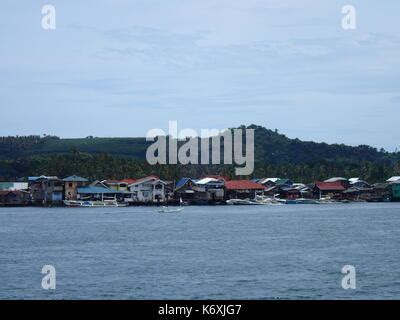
[221,252]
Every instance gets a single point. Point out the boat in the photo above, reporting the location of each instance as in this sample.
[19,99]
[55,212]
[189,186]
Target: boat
[240,202]
[166,209]
[306,201]
[267,200]
[287,201]
[92,204]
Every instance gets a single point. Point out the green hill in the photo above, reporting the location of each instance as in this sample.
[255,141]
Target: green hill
[275,155]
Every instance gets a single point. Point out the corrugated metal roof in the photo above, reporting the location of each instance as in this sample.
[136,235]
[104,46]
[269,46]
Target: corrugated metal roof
[208,180]
[330,186]
[95,190]
[335,179]
[74,178]
[183,181]
[243,185]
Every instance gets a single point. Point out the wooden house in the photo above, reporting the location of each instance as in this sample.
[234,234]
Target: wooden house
[46,190]
[332,189]
[14,198]
[242,189]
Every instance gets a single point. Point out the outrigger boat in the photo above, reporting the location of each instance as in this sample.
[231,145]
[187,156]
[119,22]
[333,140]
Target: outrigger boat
[165,209]
[241,202]
[97,204]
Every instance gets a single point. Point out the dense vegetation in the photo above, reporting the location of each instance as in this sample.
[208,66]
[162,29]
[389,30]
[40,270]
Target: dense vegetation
[275,154]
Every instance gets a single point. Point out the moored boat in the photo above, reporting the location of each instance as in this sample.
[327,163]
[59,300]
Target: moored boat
[92,204]
[241,202]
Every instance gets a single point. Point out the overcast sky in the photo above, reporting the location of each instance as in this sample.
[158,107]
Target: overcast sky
[120,68]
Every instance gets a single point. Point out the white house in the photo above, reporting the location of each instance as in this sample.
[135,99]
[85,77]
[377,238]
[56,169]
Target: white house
[148,189]
[393,179]
[210,188]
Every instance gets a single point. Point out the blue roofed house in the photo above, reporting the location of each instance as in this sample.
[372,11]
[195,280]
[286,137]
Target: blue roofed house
[185,189]
[98,193]
[71,185]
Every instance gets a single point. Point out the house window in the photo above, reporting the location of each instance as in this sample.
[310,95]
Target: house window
[158,186]
[70,184]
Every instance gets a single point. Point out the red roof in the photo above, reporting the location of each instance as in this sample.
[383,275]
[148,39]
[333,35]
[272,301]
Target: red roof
[243,185]
[128,181]
[330,186]
[147,178]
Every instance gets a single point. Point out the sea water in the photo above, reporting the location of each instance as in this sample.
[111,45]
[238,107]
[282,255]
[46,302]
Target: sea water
[202,252]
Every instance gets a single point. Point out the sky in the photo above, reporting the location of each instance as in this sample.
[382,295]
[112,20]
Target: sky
[121,68]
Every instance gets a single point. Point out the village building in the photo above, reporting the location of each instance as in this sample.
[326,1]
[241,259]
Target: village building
[210,190]
[46,190]
[343,181]
[14,198]
[147,190]
[185,189]
[207,190]
[98,193]
[381,192]
[357,193]
[288,192]
[268,182]
[116,185]
[328,189]
[242,189]
[71,185]
[396,191]
[393,179]
[8,186]
[358,183]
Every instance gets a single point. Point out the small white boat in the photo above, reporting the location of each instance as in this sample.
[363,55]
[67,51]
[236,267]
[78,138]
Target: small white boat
[306,201]
[92,204]
[240,202]
[166,209]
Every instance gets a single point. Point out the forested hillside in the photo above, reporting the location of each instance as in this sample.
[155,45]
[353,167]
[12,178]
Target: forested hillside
[275,155]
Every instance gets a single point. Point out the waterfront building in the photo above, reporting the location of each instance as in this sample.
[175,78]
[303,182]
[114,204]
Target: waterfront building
[381,192]
[116,185]
[185,189]
[98,193]
[147,190]
[14,197]
[393,179]
[333,189]
[343,181]
[268,182]
[355,193]
[71,184]
[358,183]
[210,190]
[207,190]
[46,190]
[242,189]
[284,182]
[7,186]
[396,191]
